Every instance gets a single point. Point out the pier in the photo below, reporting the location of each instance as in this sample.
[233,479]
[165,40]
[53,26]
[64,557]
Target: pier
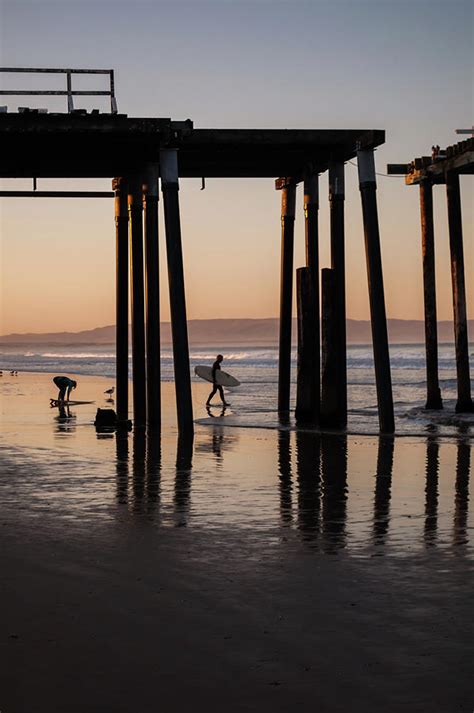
[443,167]
[138,154]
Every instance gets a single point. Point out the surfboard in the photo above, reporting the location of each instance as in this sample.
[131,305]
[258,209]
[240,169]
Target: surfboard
[55,402]
[222,377]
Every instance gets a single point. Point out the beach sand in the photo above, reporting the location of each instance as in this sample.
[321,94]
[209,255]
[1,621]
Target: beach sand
[259,570]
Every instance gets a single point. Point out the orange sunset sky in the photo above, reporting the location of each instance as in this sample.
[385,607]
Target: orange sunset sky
[243,64]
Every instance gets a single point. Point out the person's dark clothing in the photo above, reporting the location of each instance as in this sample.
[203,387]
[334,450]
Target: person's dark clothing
[215,367]
[216,387]
[64,384]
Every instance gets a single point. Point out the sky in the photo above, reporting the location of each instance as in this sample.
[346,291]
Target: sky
[405,67]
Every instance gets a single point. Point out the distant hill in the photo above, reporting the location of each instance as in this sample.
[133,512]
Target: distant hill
[240,331]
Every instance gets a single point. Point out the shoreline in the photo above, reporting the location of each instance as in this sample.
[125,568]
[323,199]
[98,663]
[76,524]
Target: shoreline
[259,570]
[268,420]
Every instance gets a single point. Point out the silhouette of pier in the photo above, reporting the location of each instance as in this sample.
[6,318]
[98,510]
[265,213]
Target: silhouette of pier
[443,167]
[140,153]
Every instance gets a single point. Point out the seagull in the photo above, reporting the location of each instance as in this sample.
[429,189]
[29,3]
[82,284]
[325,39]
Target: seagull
[110,392]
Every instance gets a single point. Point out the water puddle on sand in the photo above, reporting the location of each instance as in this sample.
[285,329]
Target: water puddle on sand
[273,489]
[361,495]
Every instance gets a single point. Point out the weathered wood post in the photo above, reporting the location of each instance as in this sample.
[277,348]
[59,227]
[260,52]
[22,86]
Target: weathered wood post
[336,201]
[152,281]
[311,210]
[288,199]
[174,254]
[135,210]
[433,394]
[119,186]
[329,367]
[464,401]
[368,188]
[307,388]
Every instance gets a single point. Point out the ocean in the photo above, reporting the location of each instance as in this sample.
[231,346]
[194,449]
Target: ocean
[254,402]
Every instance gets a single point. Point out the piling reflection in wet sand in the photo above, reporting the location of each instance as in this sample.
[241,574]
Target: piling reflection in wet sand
[145,469]
[312,487]
[461,500]
[383,485]
[284,471]
[153,470]
[431,491]
[182,490]
[121,466]
[138,475]
[308,461]
[334,490]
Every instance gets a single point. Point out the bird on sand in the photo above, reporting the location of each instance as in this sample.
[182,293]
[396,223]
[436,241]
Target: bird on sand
[110,392]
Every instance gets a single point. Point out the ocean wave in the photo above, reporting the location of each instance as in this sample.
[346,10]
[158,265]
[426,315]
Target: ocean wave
[76,355]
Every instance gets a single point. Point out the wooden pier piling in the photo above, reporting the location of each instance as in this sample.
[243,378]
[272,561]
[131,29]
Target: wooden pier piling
[329,351]
[368,188]
[152,282]
[307,390]
[121,297]
[288,199]
[174,254]
[433,396]
[464,401]
[135,210]
[336,200]
[311,221]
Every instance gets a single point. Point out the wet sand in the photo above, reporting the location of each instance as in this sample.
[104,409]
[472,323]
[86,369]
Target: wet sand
[256,571]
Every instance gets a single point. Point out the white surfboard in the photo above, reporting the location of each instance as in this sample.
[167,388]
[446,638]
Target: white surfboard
[222,377]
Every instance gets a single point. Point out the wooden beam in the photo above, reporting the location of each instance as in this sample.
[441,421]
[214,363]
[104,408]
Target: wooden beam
[288,198]
[464,401]
[152,293]
[368,187]
[135,210]
[307,389]
[433,397]
[174,254]
[121,297]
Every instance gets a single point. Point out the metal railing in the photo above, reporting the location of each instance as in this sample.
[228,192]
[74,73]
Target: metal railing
[69,92]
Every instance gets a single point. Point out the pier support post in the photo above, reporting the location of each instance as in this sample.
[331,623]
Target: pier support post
[121,297]
[152,281]
[433,395]
[288,198]
[329,371]
[311,210]
[174,254]
[135,210]
[336,200]
[464,401]
[307,391]
[368,188]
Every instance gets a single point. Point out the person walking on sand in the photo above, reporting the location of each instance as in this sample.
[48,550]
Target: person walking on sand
[64,384]
[215,386]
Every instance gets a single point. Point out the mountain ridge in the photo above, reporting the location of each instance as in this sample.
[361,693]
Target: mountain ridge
[258,332]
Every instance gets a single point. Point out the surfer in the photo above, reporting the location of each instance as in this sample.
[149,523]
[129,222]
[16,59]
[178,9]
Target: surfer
[215,386]
[64,385]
